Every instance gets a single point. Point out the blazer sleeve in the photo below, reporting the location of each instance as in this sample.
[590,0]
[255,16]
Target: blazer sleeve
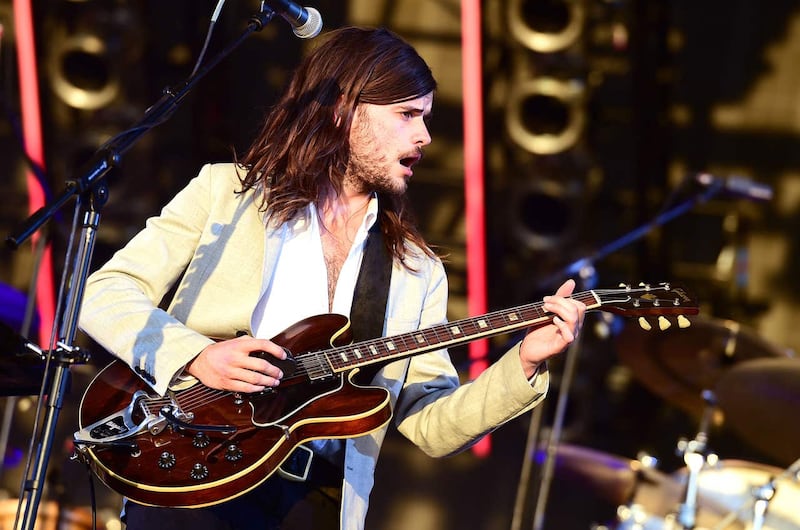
[442,416]
[120,306]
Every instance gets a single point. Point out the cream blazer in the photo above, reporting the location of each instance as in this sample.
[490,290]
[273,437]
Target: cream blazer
[216,245]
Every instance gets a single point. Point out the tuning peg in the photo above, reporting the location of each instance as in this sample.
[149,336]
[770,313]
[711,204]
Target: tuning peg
[644,324]
[683,322]
[663,323]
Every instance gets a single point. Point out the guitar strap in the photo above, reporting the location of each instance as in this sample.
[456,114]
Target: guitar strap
[368,310]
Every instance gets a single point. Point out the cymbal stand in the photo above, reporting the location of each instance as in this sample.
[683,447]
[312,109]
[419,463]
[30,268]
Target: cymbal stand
[695,457]
[760,497]
[92,191]
[587,277]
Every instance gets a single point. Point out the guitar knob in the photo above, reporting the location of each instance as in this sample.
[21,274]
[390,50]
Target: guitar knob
[200,440]
[233,453]
[199,471]
[683,322]
[663,323]
[166,460]
[644,324]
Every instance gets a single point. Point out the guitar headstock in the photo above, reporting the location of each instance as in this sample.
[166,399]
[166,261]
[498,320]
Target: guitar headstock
[645,300]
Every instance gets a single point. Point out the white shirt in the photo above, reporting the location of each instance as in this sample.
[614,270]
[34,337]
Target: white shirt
[299,284]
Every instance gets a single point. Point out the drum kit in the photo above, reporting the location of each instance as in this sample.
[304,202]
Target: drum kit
[720,373]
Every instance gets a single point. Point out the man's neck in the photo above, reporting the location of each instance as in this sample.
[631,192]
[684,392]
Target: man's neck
[345,211]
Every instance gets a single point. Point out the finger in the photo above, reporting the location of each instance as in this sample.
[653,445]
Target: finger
[566,288]
[235,385]
[562,307]
[566,330]
[251,381]
[262,366]
[252,344]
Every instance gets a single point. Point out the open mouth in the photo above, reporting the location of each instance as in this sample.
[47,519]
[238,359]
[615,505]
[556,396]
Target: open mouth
[410,161]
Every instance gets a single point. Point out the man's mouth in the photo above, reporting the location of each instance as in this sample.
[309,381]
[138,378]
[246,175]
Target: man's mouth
[411,160]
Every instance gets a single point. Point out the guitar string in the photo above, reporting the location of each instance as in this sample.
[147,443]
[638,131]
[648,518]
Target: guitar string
[196,396]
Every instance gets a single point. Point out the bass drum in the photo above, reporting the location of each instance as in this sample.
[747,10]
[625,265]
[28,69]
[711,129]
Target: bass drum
[48,517]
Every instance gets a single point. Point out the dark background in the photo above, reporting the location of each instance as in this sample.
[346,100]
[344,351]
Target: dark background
[597,115]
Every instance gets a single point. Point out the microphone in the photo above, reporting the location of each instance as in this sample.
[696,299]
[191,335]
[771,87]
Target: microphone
[305,21]
[736,186]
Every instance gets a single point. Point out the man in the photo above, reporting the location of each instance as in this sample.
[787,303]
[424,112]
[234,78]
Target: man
[280,236]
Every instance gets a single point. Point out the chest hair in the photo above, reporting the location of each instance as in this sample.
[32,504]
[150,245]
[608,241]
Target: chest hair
[335,251]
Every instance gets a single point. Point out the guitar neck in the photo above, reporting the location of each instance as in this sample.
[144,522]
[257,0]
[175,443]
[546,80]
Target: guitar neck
[450,334]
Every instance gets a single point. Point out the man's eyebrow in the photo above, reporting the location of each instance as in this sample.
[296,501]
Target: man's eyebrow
[415,108]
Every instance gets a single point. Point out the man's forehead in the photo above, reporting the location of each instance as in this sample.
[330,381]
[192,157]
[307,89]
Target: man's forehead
[421,103]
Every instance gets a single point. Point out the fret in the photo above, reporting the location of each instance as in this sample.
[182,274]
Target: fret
[447,334]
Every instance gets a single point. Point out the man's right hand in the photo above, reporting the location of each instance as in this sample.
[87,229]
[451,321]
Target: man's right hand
[228,365]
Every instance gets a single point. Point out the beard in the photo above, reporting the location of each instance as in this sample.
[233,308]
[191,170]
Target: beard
[372,175]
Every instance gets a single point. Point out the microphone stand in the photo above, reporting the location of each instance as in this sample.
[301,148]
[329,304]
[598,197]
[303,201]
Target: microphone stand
[681,208]
[93,193]
[584,268]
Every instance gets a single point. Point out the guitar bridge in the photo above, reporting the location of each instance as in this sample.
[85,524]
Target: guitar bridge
[121,425]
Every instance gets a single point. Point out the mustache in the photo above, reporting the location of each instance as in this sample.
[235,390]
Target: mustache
[417,153]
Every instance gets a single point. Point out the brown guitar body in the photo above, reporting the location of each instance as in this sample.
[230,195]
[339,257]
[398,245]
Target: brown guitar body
[183,467]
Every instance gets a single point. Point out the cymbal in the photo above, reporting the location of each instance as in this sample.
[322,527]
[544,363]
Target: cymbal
[679,364]
[730,483]
[614,479]
[760,399]
[622,481]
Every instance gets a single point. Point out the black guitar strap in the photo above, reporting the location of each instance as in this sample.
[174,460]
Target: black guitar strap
[371,293]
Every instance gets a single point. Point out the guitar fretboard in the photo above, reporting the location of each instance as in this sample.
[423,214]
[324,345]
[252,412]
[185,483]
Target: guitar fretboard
[323,363]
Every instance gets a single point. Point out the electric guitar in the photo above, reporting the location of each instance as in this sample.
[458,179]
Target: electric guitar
[198,446]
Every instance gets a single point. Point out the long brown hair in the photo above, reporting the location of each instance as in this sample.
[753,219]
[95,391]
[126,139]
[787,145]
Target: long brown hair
[302,150]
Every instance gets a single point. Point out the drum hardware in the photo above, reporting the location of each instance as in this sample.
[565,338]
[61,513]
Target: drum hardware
[695,458]
[760,497]
[633,515]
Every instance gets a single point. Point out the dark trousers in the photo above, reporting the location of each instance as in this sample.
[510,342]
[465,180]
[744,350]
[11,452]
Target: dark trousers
[276,504]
